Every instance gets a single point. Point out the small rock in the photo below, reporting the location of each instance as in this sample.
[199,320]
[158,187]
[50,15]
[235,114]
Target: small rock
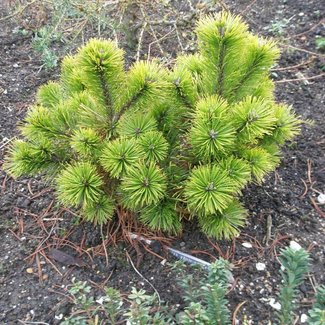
[294,245]
[45,277]
[321,198]
[260,266]
[182,244]
[101,300]
[303,318]
[275,305]
[29,270]
[15,65]
[59,317]
[163,262]
[247,245]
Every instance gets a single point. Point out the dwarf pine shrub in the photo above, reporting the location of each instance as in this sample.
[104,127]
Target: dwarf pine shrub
[163,144]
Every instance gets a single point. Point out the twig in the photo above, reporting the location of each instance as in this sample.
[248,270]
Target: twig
[42,242]
[140,41]
[34,323]
[157,41]
[41,193]
[313,281]
[301,79]
[243,12]
[309,170]
[56,269]
[4,182]
[236,312]
[194,251]
[305,191]
[223,5]
[135,269]
[307,31]
[8,141]
[178,38]
[294,66]
[104,244]
[268,229]
[14,234]
[314,189]
[190,5]
[39,269]
[152,252]
[320,212]
[302,50]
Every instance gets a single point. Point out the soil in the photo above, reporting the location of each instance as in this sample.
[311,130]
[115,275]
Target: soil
[34,288]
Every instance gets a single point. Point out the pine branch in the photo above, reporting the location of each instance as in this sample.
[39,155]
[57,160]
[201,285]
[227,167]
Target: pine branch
[131,102]
[221,63]
[106,90]
[183,98]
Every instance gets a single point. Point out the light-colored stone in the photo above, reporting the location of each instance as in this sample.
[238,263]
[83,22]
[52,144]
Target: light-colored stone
[294,245]
[274,304]
[260,266]
[321,198]
[247,245]
[303,318]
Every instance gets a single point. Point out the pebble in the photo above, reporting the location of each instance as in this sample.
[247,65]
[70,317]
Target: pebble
[59,317]
[303,318]
[294,245]
[260,266]
[275,305]
[100,300]
[247,245]
[29,270]
[321,198]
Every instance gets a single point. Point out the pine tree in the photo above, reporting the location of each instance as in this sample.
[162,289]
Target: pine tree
[164,144]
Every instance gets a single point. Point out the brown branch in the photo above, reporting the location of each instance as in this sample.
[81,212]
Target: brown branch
[301,50]
[243,12]
[300,79]
[236,312]
[307,31]
[294,66]
[320,212]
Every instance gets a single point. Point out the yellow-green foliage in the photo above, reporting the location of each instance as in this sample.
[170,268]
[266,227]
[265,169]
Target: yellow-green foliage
[159,141]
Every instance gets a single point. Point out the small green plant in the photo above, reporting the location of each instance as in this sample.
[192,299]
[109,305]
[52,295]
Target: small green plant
[278,27]
[320,43]
[317,313]
[208,306]
[205,297]
[162,144]
[42,44]
[295,264]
